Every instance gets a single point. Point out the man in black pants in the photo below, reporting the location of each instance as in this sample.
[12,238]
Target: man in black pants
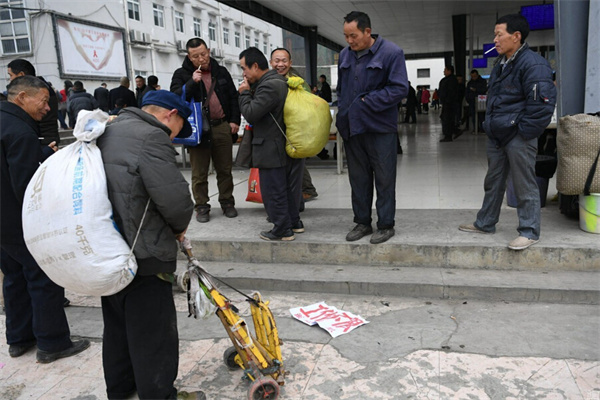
[140,342]
[449,100]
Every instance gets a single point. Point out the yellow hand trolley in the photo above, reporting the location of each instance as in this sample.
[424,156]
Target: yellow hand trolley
[258,355]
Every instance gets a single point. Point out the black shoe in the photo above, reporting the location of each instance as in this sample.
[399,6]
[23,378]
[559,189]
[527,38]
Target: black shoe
[359,232]
[268,235]
[382,235]
[203,214]
[230,211]
[198,395]
[66,302]
[298,227]
[45,357]
[446,140]
[17,350]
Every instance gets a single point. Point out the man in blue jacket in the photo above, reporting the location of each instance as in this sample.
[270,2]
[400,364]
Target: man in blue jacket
[372,80]
[521,99]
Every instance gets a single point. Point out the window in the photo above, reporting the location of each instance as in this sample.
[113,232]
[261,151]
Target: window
[197,27]
[225,35]
[422,72]
[256,43]
[212,31]
[247,41]
[265,47]
[140,72]
[179,21]
[159,15]
[14,30]
[238,39]
[133,9]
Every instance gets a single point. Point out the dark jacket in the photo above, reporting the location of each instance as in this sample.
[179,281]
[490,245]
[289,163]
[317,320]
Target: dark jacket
[121,92]
[325,92]
[80,101]
[49,123]
[370,88]
[101,94]
[139,161]
[266,98]
[224,88]
[521,98]
[475,88]
[141,94]
[448,91]
[20,156]
[411,99]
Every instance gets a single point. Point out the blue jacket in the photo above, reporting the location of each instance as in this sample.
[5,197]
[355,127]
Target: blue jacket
[521,98]
[370,88]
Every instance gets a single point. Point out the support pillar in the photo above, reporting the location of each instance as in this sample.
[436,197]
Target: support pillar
[459,35]
[310,54]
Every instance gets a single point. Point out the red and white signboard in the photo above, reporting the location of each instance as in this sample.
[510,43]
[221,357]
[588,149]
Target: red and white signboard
[88,50]
[335,321]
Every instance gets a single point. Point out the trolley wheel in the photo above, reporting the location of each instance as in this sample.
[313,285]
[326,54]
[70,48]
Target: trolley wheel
[229,358]
[264,389]
[182,281]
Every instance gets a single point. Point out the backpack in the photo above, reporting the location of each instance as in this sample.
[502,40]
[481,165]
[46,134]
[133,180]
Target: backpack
[67,217]
[307,119]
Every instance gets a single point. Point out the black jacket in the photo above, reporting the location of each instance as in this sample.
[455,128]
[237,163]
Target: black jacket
[325,92]
[260,106]
[448,91]
[139,161]
[121,92]
[49,124]
[475,88]
[80,101]
[101,94]
[20,156]
[224,88]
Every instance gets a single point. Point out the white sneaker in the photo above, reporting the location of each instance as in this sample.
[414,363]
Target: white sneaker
[521,243]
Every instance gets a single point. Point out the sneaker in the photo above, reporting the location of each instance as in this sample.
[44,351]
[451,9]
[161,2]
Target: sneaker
[446,139]
[298,227]
[309,197]
[199,395]
[45,357]
[382,235]
[17,350]
[66,302]
[359,232]
[268,235]
[521,243]
[230,211]
[203,214]
[471,228]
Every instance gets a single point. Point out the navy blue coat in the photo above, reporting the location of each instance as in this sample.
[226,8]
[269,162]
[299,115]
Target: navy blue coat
[521,98]
[20,156]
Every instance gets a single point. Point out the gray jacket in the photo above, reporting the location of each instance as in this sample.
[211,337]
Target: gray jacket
[266,97]
[139,161]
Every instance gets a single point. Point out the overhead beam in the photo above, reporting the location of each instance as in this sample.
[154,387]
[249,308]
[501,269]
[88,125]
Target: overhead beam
[266,14]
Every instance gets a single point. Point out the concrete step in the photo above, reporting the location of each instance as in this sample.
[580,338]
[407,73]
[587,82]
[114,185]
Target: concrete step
[573,287]
[424,239]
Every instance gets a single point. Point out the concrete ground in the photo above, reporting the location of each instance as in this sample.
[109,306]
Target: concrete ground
[451,315]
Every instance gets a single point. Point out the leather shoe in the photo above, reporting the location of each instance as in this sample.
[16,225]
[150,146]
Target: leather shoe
[17,350]
[45,357]
[203,215]
[382,235]
[230,211]
[446,140]
[359,232]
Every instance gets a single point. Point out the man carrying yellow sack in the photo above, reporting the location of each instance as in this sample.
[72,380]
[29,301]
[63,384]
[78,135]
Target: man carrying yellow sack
[305,139]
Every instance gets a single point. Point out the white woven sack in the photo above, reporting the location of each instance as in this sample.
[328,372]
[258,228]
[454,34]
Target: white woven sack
[67,217]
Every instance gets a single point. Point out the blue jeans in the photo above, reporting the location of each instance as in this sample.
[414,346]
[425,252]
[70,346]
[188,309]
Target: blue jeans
[34,304]
[372,158]
[518,159]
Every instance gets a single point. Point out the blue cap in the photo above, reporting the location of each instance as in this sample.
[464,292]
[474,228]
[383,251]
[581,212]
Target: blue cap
[169,100]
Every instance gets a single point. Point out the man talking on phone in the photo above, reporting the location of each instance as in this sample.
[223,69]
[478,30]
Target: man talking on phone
[204,80]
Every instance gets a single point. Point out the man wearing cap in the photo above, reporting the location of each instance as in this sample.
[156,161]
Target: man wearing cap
[140,342]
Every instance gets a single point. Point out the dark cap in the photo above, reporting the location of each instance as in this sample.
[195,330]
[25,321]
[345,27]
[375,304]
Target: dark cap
[169,100]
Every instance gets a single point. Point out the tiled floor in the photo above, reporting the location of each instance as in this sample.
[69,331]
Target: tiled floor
[431,175]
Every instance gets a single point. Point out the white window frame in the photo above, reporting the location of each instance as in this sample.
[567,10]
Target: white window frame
[238,39]
[225,35]
[158,12]
[212,30]
[8,32]
[179,21]
[197,27]
[247,40]
[133,10]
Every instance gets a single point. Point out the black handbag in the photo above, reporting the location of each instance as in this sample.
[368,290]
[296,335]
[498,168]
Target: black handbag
[243,158]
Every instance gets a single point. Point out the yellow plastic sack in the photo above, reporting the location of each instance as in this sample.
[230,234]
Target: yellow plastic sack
[307,121]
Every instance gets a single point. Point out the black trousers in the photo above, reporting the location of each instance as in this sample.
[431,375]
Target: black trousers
[140,348]
[448,120]
[281,190]
[33,303]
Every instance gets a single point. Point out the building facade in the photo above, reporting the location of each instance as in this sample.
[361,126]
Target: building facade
[100,41]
